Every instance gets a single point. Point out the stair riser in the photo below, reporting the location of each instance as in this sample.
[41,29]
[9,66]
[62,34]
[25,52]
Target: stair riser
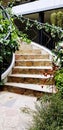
[31,80]
[20,57]
[23,91]
[32,71]
[33,63]
[25,51]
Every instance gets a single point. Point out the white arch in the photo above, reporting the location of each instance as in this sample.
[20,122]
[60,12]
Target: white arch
[37,6]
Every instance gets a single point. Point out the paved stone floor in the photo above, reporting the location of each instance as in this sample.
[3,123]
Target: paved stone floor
[16,111]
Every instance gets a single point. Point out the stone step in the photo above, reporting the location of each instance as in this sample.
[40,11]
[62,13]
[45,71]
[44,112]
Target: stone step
[33,79]
[35,62]
[31,56]
[28,51]
[33,70]
[31,47]
[22,87]
[26,46]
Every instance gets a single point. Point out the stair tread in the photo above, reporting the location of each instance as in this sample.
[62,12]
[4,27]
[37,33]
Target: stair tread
[29,49]
[34,67]
[35,60]
[31,76]
[31,54]
[36,87]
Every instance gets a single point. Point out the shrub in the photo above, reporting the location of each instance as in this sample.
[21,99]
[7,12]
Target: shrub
[60,19]
[8,39]
[57,18]
[59,80]
[53,18]
[49,115]
[59,61]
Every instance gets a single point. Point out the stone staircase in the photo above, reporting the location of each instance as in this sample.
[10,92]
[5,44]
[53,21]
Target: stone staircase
[32,73]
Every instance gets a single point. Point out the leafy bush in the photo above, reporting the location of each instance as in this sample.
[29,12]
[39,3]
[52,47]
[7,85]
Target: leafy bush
[59,54]
[57,18]
[8,39]
[8,43]
[60,19]
[59,61]
[49,115]
[53,18]
[59,80]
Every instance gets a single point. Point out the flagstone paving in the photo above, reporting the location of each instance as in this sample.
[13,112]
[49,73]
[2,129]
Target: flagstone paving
[16,111]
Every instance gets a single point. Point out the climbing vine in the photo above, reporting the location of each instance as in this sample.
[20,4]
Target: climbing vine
[55,32]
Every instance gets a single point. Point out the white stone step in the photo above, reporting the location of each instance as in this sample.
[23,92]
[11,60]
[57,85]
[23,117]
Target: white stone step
[31,56]
[26,54]
[47,60]
[33,70]
[35,87]
[33,62]
[28,51]
[34,67]
[31,76]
